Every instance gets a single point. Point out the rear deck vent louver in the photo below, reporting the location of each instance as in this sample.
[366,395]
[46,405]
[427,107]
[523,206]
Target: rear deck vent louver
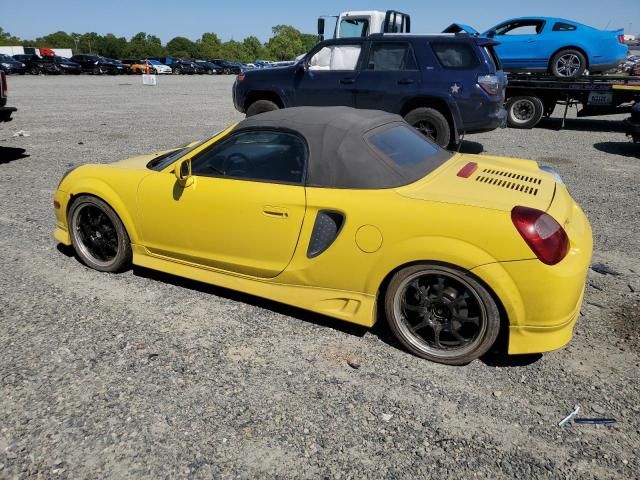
[515,181]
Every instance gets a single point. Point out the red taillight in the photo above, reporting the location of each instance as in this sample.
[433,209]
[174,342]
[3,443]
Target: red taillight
[621,38]
[489,83]
[546,237]
[240,77]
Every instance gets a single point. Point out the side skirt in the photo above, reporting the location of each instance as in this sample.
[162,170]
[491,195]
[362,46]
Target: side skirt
[353,307]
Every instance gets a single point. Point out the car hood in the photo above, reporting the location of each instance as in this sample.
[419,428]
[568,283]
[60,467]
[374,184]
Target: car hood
[495,182]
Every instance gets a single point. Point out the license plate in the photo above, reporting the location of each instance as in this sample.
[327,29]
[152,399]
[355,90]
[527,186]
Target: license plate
[600,98]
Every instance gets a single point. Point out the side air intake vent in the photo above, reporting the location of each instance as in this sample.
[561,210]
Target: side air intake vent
[527,184]
[325,231]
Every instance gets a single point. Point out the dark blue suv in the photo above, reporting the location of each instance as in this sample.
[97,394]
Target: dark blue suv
[443,85]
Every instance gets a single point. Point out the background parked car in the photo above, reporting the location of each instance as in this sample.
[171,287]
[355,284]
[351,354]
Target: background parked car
[209,68]
[228,67]
[10,65]
[159,68]
[5,112]
[178,66]
[97,65]
[561,47]
[441,85]
[59,64]
[34,65]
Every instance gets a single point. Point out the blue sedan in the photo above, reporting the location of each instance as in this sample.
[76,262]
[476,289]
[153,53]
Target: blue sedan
[561,47]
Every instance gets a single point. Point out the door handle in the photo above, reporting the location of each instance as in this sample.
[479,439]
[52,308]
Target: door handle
[531,40]
[348,81]
[276,212]
[405,81]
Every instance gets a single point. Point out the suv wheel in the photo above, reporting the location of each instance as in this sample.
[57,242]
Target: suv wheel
[261,106]
[431,123]
[524,111]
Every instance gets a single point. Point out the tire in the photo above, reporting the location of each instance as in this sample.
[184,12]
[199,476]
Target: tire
[261,106]
[524,111]
[432,124]
[426,303]
[98,71]
[176,71]
[568,63]
[98,235]
[34,70]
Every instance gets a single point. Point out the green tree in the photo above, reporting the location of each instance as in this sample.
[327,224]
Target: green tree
[111,46]
[209,46]
[6,39]
[253,49]
[285,44]
[309,41]
[88,42]
[142,45]
[58,39]
[182,47]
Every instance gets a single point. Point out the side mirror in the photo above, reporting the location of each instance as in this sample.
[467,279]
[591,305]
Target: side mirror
[321,28]
[491,33]
[183,172]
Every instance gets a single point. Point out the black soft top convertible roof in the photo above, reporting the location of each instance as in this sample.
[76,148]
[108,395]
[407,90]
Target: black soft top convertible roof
[339,154]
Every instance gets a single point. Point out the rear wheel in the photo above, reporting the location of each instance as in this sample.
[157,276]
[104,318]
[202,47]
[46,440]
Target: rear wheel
[431,123]
[568,64]
[261,106]
[441,313]
[524,111]
[98,235]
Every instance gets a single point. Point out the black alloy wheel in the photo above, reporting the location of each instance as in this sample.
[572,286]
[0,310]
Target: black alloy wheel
[442,314]
[98,235]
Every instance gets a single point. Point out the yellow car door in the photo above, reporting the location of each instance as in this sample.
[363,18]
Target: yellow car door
[241,212]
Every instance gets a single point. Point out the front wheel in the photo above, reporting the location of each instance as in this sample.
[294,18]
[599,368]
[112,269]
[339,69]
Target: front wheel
[442,314]
[524,111]
[568,64]
[261,106]
[431,123]
[98,235]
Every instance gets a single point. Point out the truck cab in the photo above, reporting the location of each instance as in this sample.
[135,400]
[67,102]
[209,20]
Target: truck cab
[364,23]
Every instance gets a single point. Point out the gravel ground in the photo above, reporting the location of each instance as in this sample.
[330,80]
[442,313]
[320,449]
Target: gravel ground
[148,376]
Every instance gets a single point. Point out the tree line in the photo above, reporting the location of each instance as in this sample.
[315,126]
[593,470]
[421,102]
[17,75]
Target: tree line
[285,43]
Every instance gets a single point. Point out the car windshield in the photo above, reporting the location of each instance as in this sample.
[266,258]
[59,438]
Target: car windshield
[163,161]
[154,62]
[6,57]
[408,150]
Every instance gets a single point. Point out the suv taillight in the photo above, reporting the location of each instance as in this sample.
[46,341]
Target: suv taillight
[546,237]
[489,83]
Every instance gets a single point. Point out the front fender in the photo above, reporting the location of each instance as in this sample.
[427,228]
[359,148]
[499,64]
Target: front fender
[101,189]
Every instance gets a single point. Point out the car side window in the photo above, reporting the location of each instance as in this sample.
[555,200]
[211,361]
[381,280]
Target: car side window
[391,56]
[455,54]
[336,57]
[521,27]
[262,155]
[563,27]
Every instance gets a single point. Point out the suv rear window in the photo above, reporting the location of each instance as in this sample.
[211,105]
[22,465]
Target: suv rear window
[407,149]
[455,55]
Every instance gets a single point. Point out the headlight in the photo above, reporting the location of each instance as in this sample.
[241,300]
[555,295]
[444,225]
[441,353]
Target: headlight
[23,65]
[5,64]
[553,172]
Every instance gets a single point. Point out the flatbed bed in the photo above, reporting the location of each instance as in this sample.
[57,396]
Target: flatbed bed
[530,97]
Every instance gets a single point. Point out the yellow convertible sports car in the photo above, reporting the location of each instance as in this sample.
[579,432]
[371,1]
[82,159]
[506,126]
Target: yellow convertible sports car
[343,211]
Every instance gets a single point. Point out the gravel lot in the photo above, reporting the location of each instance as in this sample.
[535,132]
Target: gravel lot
[147,376]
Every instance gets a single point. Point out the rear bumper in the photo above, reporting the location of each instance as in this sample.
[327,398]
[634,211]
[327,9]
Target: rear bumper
[5,113]
[542,302]
[494,120]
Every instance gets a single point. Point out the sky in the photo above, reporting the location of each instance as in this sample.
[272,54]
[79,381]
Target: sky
[242,18]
